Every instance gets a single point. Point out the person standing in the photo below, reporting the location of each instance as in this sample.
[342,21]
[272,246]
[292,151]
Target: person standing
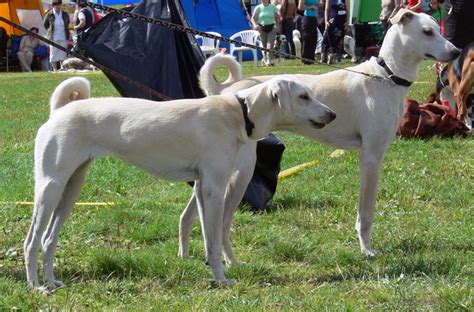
[28,45]
[309,34]
[266,19]
[57,23]
[288,14]
[335,17]
[84,17]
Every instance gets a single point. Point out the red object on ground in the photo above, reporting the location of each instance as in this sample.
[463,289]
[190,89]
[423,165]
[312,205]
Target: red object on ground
[448,106]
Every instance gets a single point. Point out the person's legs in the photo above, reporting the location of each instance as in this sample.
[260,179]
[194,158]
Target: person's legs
[287,27]
[271,45]
[309,38]
[22,58]
[29,59]
[264,37]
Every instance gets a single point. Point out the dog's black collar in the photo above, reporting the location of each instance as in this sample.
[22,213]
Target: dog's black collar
[249,125]
[396,79]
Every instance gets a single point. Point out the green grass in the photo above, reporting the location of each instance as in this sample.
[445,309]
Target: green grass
[301,255]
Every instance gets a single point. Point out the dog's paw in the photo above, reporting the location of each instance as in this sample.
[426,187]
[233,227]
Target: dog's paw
[50,288]
[232,262]
[183,254]
[223,283]
[369,252]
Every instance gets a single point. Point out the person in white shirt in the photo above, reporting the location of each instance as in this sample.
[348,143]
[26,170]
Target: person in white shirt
[27,47]
[57,23]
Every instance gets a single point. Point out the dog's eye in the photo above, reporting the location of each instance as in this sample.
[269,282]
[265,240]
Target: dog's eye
[428,32]
[304,97]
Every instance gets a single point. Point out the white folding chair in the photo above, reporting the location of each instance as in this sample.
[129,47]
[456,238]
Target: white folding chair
[246,36]
[209,46]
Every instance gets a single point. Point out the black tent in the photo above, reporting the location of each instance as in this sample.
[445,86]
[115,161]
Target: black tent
[165,60]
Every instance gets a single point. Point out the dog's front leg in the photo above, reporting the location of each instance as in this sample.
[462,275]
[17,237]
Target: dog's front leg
[370,163]
[210,201]
[243,171]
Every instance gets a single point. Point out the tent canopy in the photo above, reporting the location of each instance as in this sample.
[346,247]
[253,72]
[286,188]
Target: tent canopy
[27,13]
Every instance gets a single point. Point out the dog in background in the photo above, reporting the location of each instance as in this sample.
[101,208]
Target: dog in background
[455,83]
[74,63]
[280,43]
[297,42]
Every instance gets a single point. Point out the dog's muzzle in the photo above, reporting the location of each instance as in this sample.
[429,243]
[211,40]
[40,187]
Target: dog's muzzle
[329,117]
[316,125]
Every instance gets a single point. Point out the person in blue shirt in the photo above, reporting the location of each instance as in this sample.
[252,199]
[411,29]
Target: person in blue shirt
[309,34]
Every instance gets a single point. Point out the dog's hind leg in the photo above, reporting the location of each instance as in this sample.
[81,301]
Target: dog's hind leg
[50,237]
[371,158]
[186,221]
[47,196]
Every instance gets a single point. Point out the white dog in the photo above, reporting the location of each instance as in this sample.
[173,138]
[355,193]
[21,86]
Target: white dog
[188,140]
[297,42]
[368,112]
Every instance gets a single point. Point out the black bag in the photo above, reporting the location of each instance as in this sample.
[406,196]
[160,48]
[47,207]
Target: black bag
[267,28]
[264,182]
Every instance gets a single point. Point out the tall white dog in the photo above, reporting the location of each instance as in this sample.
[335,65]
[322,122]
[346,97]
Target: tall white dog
[368,113]
[188,140]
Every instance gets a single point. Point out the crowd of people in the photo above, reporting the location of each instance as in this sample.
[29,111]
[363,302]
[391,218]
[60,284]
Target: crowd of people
[60,27]
[330,18]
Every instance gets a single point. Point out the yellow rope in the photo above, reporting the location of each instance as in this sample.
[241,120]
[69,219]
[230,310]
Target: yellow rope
[296,169]
[26,203]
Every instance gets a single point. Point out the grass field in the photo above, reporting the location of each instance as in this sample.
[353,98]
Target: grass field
[302,255]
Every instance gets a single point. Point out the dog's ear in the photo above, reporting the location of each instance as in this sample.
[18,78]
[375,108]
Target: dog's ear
[280,93]
[403,16]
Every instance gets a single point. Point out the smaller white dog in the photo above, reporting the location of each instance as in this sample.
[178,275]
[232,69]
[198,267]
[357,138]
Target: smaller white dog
[297,42]
[186,140]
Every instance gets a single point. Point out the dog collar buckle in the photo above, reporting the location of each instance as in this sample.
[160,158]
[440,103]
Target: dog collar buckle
[249,125]
[397,80]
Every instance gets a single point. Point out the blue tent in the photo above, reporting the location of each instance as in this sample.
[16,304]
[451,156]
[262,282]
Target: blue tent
[223,16]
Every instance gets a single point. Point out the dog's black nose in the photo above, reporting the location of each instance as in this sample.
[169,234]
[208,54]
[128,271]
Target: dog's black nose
[455,53]
[332,115]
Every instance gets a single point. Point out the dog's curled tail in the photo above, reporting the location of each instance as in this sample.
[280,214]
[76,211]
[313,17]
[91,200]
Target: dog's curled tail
[208,83]
[72,89]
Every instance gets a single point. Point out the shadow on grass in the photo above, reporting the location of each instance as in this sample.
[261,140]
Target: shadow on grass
[291,202]
[416,257]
